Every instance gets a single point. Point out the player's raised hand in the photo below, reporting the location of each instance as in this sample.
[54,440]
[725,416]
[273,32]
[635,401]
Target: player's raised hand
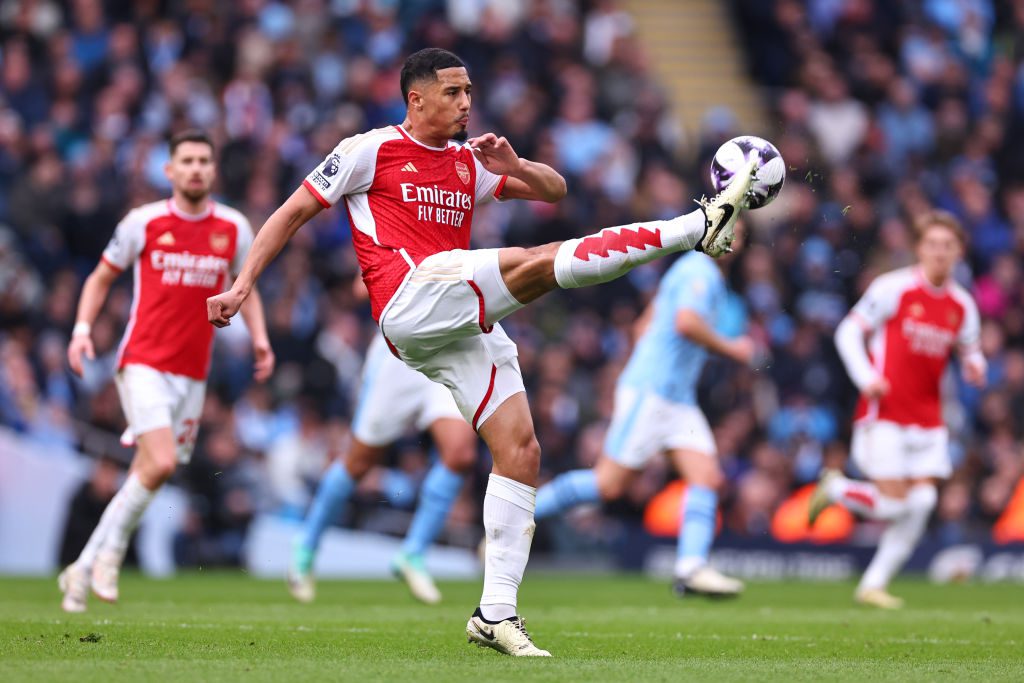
[81,345]
[263,361]
[495,154]
[221,307]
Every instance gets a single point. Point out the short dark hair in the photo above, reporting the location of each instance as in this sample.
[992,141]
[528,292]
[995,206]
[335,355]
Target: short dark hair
[425,64]
[190,135]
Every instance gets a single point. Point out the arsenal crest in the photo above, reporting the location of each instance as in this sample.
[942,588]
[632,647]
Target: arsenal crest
[219,242]
[463,172]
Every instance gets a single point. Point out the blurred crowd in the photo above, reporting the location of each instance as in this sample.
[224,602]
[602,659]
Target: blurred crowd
[881,109]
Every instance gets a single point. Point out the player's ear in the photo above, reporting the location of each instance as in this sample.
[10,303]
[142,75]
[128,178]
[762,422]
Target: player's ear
[167,170]
[415,100]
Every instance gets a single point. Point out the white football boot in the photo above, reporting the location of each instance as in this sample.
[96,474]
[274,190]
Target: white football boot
[410,568]
[74,584]
[820,499]
[878,597]
[106,571]
[302,586]
[721,212]
[508,637]
[707,580]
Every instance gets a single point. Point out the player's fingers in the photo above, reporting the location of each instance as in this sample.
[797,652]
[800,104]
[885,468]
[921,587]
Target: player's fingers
[75,361]
[90,350]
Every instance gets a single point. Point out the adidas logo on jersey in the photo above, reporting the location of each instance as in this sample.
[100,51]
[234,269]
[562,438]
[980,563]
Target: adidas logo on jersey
[410,168]
[166,239]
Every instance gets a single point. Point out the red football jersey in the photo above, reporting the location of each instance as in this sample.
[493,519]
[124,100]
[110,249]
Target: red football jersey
[179,260]
[913,328]
[405,200]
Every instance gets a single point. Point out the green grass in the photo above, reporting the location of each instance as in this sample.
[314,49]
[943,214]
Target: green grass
[202,627]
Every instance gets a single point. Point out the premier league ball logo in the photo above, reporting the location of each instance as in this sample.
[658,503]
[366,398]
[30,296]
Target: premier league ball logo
[332,165]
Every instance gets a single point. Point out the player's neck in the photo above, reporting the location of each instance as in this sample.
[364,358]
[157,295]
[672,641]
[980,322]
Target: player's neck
[936,280]
[418,134]
[191,207]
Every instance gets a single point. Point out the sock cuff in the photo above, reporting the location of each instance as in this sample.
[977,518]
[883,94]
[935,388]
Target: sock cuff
[923,497]
[512,491]
[563,264]
[134,488]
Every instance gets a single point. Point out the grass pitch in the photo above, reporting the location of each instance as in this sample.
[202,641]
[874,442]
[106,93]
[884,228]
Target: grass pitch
[203,627]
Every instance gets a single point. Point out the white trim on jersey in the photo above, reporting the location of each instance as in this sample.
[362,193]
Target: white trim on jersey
[358,206]
[175,210]
[134,314]
[409,137]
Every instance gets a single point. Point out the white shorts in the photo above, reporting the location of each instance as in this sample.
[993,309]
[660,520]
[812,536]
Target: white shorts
[443,322]
[886,450]
[152,400]
[394,398]
[645,424]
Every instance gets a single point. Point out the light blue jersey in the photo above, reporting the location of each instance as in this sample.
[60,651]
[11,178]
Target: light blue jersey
[664,361]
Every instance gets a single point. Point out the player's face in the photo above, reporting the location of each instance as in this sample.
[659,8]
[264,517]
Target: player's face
[938,251]
[446,102]
[191,170]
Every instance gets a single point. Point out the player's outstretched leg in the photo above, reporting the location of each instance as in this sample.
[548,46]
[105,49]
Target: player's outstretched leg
[127,508]
[615,251]
[440,489]
[860,497]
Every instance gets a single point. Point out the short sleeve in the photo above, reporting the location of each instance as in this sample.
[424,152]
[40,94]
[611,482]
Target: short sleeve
[877,305]
[488,185]
[969,336]
[127,242]
[348,169]
[243,241]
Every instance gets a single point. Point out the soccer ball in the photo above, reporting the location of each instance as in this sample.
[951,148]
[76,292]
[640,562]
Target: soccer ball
[771,170]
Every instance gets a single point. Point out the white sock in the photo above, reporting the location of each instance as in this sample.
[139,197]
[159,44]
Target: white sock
[863,498]
[92,546]
[508,521]
[615,251]
[126,509]
[900,538]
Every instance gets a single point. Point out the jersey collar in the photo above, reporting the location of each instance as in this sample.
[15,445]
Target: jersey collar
[405,133]
[194,217]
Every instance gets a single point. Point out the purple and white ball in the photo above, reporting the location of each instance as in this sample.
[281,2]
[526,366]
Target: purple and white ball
[771,170]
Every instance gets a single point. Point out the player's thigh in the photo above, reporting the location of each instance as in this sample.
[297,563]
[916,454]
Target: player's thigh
[928,454]
[613,479]
[634,436]
[390,399]
[190,394]
[148,400]
[480,371]
[878,449]
[449,296]
[529,273]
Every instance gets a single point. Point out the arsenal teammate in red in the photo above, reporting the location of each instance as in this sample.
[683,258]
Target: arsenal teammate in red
[912,319]
[182,251]
[410,192]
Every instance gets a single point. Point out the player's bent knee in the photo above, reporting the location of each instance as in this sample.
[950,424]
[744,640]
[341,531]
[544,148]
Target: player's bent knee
[162,466]
[459,459]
